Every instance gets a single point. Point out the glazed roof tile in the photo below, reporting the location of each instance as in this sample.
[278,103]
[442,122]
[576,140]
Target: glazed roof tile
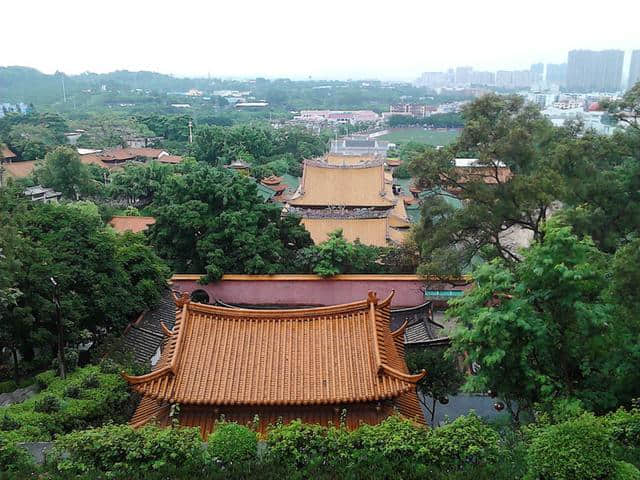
[317,356]
[361,185]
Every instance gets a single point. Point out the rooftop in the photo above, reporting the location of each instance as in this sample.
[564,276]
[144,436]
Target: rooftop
[316,356]
[131,223]
[360,185]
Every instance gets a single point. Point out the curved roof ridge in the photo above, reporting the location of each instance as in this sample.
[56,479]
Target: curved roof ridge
[283,313]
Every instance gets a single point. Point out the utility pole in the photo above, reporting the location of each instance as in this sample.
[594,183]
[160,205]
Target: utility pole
[56,302]
[64,91]
[190,131]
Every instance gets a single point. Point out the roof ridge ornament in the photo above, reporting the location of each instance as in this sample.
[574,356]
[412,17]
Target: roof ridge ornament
[372,298]
[182,300]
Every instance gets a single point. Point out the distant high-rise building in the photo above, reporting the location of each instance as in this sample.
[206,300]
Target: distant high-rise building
[433,79]
[514,78]
[463,75]
[634,69]
[588,70]
[483,78]
[537,72]
[557,74]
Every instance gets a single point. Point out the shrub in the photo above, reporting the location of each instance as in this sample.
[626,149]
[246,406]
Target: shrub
[80,408]
[119,451]
[8,386]
[309,451]
[395,447]
[625,426]
[575,449]
[232,447]
[109,366]
[625,471]
[465,441]
[44,379]
[72,391]
[47,404]
[7,423]
[14,458]
[91,381]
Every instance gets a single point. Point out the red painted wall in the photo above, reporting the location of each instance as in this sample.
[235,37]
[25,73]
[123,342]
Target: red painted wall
[303,291]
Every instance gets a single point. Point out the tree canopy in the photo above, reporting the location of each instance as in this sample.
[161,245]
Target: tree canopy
[212,220]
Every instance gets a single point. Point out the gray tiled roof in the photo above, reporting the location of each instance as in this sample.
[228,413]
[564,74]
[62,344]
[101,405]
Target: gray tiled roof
[144,337]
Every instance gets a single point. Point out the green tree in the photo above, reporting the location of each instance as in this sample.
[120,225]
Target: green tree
[104,279]
[542,329]
[336,255]
[443,377]
[498,131]
[212,221]
[63,171]
[137,184]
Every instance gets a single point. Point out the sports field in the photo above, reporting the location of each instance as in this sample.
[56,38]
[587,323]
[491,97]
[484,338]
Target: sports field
[420,135]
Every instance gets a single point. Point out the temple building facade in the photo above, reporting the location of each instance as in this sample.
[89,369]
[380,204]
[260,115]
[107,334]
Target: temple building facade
[353,193]
[335,365]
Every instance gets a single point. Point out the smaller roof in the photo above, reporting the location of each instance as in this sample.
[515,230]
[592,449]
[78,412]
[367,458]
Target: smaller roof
[271,180]
[19,169]
[131,223]
[172,159]
[6,153]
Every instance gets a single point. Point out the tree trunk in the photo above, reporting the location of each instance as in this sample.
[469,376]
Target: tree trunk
[16,370]
[433,410]
[61,348]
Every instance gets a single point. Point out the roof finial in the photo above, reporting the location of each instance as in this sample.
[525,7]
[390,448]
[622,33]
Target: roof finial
[182,300]
[372,298]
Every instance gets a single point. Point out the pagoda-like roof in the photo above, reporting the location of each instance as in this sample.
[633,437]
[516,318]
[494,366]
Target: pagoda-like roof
[358,185]
[343,354]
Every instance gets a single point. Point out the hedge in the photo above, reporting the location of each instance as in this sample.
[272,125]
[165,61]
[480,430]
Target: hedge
[86,398]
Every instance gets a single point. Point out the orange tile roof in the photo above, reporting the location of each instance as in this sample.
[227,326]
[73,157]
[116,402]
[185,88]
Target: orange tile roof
[485,174]
[6,153]
[131,224]
[343,354]
[19,169]
[352,186]
[172,159]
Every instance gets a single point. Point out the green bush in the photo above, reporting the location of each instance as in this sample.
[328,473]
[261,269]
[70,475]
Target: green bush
[14,458]
[394,447]
[120,452]
[72,391]
[8,386]
[625,426]
[466,441]
[91,381]
[625,471]
[47,404]
[232,447]
[40,418]
[575,449]
[44,379]
[308,451]
[7,423]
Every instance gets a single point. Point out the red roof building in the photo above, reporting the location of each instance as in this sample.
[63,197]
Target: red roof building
[131,223]
[321,365]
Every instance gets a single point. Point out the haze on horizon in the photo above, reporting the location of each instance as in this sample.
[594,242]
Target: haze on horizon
[287,38]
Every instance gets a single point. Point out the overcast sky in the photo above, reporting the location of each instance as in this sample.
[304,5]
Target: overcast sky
[395,39]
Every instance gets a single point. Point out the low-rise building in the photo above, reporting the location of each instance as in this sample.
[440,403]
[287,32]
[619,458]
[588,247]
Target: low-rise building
[42,194]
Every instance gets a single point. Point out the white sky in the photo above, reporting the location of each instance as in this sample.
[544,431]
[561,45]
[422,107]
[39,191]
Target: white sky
[395,39]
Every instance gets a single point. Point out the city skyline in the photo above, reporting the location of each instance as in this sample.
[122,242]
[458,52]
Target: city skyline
[335,40]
